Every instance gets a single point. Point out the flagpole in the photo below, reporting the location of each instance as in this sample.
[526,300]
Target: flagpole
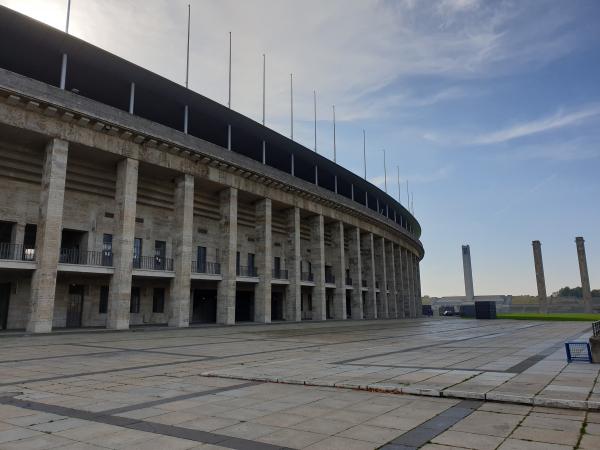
[365,152]
[334,147]
[187,63]
[229,98]
[315,105]
[68,16]
[291,106]
[264,76]
[399,187]
[63,67]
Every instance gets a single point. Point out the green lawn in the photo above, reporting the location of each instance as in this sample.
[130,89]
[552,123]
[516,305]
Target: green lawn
[560,316]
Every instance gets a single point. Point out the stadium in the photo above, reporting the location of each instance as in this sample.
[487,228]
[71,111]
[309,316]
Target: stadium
[128,200]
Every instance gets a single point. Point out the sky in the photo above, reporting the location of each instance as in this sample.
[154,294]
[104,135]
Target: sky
[489,109]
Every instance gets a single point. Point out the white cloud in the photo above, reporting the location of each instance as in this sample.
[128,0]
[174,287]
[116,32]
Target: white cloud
[558,120]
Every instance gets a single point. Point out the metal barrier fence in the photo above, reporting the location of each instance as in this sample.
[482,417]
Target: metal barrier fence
[16,252]
[208,268]
[248,272]
[307,276]
[152,263]
[86,258]
[281,274]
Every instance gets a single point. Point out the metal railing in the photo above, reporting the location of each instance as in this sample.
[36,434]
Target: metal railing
[85,258]
[329,278]
[208,268]
[307,276]
[152,263]
[247,272]
[348,281]
[16,252]
[281,274]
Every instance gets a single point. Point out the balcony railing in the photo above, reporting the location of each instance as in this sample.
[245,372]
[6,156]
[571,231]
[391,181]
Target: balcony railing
[348,281]
[16,252]
[247,272]
[208,268]
[307,276]
[281,274]
[152,263]
[85,258]
[329,278]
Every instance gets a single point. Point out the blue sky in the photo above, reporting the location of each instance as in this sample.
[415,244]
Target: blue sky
[490,109]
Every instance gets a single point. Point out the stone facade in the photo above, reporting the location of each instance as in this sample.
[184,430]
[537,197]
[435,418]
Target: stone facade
[115,222]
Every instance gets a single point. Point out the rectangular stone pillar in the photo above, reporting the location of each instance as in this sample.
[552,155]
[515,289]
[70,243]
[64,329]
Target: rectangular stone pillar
[399,281]
[119,292]
[416,299]
[371,305]
[182,252]
[419,295]
[539,276]
[264,261]
[468,273]
[355,260]
[228,251]
[583,272]
[381,275]
[293,260]
[317,253]
[339,270]
[391,273]
[48,239]
[408,309]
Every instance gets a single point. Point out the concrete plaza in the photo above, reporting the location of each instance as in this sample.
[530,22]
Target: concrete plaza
[392,384]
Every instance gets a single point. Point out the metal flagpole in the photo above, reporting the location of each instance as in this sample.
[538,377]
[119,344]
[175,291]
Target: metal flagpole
[365,152]
[63,67]
[407,195]
[315,105]
[68,16]
[187,60]
[291,106]
[399,187]
[264,76]
[229,98]
[384,171]
[334,147]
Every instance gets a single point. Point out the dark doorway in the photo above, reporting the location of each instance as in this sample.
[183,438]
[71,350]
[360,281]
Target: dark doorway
[329,304]
[244,306]
[4,299]
[348,304]
[276,305]
[75,306]
[6,232]
[204,309]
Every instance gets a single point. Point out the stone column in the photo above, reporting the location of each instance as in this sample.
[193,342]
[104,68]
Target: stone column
[381,273]
[399,281]
[264,261]
[418,309]
[583,272]
[407,271]
[228,250]
[539,276]
[317,252]
[339,270]
[355,260]
[391,273]
[119,292]
[293,260]
[468,273]
[182,251]
[371,306]
[49,231]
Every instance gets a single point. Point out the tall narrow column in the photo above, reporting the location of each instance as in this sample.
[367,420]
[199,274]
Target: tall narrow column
[317,252]
[399,281]
[339,269]
[419,295]
[355,273]
[409,307]
[416,299]
[49,230]
[371,305]
[124,232]
[264,261]
[539,276]
[228,250]
[381,274]
[468,273]
[583,272]
[182,251]
[391,274]
[293,259]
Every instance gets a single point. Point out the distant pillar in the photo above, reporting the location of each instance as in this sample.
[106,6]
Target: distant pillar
[229,237]
[293,259]
[539,276]
[468,273]
[264,249]
[583,272]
